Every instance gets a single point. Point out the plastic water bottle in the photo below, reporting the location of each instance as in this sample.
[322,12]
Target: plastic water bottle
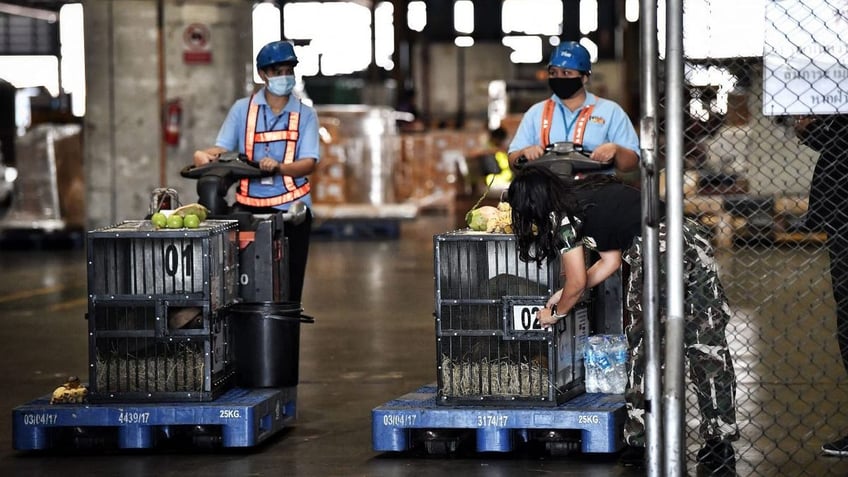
[605,360]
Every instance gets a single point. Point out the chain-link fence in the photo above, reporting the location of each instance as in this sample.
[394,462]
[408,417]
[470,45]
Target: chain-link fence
[761,133]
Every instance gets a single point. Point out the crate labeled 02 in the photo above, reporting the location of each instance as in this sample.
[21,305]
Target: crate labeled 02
[490,348]
[158,329]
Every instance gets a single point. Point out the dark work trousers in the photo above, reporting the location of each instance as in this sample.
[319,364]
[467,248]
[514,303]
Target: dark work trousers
[837,248]
[298,238]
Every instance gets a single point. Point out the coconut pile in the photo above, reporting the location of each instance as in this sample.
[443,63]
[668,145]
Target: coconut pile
[491,219]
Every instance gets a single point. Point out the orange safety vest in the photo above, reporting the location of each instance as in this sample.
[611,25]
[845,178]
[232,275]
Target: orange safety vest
[580,126]
[251,137]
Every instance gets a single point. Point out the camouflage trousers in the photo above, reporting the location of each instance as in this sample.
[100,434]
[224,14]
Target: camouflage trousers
[705,345]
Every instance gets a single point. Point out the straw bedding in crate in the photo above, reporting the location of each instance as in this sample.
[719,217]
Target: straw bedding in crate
[177,371]
[500,377]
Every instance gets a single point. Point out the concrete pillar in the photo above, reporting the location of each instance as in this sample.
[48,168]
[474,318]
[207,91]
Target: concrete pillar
[124,156]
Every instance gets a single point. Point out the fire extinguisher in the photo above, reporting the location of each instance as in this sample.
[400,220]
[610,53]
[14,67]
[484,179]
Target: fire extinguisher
[173,116]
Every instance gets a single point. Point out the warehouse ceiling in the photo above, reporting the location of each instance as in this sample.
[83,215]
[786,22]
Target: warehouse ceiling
[29,27]
[20,7]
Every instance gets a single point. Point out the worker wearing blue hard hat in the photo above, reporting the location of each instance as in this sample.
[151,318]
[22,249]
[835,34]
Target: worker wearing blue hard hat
[572,114]
[279,133]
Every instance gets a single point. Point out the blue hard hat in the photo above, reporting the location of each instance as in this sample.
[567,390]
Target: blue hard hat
[572,56]
[276,52]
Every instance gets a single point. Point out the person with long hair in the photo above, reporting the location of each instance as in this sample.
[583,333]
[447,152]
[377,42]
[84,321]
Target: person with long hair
[558,219]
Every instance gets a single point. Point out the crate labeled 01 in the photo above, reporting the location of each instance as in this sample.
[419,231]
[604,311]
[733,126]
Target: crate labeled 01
[490,348]
[158,326]
[135,259]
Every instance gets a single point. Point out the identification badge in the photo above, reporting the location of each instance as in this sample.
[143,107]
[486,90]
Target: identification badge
[268,180]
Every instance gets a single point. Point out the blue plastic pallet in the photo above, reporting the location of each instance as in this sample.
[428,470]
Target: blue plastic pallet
[239,418]
[598,417]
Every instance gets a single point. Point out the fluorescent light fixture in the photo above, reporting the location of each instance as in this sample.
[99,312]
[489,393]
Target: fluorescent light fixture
[463,41]
[266,28]
[533,17]
[384,35]
[416,16]
[339,34]
[10,174]
[631,10]
[588,16]
[31,71]
[463,16]
[719,28]
[591,47]
[72,42]
[525,49]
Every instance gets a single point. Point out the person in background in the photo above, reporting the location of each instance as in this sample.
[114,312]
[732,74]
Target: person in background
[555,219]
[411,120]
[574,115]
[495,171]
[500,173]
[280,133]
[828,211]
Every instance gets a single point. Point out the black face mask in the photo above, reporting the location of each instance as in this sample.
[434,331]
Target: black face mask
[565,88]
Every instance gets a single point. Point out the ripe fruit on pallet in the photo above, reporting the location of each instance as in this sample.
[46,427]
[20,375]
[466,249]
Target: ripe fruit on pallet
[159,220]
[175,221]
[191,221]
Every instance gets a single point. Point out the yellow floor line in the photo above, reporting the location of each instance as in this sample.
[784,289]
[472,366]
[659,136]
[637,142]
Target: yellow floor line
[66,305]
[29,293]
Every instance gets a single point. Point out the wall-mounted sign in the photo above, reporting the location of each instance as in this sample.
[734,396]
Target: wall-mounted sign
[805,57]
[196,44]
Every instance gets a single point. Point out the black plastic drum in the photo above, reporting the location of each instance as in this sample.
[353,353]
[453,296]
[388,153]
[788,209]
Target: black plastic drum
[267,343]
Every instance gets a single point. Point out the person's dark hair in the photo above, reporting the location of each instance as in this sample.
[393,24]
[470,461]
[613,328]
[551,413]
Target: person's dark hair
[540,199]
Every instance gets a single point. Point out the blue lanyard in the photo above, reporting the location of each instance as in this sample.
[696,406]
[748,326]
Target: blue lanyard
[265,110]
[570,125]
[265,117]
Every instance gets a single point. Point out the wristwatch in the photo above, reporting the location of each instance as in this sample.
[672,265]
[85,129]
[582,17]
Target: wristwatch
[554,313]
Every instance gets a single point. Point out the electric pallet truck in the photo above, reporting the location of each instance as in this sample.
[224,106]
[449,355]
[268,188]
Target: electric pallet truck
[501,379]
[228,377]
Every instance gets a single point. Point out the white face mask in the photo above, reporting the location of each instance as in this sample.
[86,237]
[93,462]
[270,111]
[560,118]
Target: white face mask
[281,85]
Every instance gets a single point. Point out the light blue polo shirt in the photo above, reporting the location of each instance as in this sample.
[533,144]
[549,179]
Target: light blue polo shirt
[231,138]
[608,123]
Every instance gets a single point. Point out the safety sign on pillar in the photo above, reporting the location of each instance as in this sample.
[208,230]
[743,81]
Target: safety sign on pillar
[196,49]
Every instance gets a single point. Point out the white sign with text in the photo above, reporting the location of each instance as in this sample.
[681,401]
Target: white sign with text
[805,58]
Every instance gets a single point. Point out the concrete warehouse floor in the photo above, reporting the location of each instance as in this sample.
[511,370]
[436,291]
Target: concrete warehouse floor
[373,340]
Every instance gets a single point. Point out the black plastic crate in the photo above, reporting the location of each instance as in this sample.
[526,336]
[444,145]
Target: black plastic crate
[149,350]
[134,259]
[489,349]
[158,328]
[474,270]
[521,364]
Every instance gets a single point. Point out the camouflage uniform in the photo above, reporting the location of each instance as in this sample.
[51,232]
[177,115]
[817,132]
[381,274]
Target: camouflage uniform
[706,315]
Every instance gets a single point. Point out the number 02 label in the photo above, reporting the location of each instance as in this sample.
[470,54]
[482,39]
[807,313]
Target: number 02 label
[524,318]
